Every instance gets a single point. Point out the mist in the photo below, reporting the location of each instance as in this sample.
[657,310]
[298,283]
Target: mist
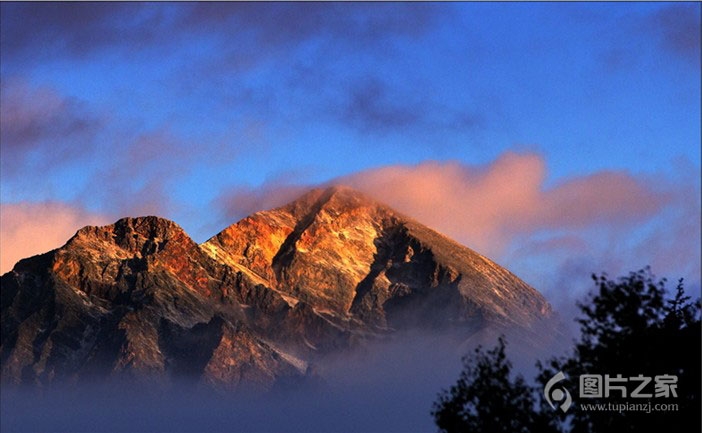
[385,386]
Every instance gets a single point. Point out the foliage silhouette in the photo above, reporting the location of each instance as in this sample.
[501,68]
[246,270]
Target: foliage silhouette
[487,398]
[629,327]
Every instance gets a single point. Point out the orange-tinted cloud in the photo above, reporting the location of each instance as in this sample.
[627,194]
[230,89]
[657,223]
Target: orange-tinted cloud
[553,236]
[27,229]
[243,201]
[486,206]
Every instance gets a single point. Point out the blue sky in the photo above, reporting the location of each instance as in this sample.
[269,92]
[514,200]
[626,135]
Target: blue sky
[559,139]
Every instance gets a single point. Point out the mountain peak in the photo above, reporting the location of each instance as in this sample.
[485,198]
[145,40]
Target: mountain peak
[149,227]
[349,254]
[336,198]
[331,190]
[266,295]
[341,191]
[130,233]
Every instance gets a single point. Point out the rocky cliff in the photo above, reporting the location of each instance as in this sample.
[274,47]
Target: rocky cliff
[253,306]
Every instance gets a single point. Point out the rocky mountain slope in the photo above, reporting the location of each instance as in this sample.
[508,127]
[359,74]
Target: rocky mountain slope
[253,306]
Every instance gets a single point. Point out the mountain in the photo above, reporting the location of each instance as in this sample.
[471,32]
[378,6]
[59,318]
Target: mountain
[136,298]
[256,305]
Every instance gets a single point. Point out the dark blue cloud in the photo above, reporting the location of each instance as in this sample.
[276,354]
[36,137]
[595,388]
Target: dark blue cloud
[678,28]
[303,45]
[81,28]
[39,128]
[374,105]
[31,30]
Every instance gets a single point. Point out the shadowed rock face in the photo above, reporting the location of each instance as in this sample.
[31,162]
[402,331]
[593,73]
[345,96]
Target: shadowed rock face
[352,257]
[254,305]
[136,298]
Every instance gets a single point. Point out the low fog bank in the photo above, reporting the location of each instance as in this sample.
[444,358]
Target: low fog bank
[383,387]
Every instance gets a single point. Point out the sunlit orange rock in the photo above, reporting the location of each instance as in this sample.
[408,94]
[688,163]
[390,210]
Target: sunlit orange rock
[257,304]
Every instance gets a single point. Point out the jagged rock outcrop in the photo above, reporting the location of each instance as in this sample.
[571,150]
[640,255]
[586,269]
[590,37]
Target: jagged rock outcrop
[352,257]
[254,305]
[136,298]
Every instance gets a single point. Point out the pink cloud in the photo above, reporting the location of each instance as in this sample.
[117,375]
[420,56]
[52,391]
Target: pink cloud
[486,206]
[553,236]
[610,197]
[28,229]
[240,202]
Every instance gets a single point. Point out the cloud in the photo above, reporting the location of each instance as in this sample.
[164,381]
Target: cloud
[607,197]
[28,228]
[307,48]
[674,243]
[159,172]
[51,143]
[554,237]
[374,105]
[40,129]
[33,30]
[241,201]
[489,206]
[138,178]
[486,206]
[370,107]
[80,29]
[125,172]
[305,44]
[671,30]
[363,391]
[678,28]
[288,24]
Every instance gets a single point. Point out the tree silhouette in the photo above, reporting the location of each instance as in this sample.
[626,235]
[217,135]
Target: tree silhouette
[487,399]
[629,327]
